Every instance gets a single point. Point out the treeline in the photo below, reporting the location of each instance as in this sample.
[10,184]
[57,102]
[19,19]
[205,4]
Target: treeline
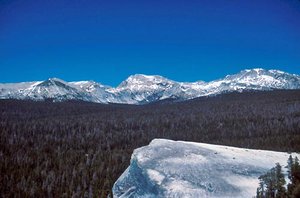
[272,184]
[78,149]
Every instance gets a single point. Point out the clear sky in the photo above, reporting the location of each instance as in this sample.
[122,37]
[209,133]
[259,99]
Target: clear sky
[107,41]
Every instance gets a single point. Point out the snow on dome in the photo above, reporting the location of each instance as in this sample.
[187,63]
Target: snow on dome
[168,168]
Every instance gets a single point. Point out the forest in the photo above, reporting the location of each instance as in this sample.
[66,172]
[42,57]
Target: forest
[79,149]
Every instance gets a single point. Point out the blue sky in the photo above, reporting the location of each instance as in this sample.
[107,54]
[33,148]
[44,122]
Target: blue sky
[107,41]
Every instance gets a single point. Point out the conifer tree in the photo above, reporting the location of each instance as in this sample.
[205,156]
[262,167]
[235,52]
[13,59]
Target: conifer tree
[296,178]
[290,186]
[280,182]
[272,184]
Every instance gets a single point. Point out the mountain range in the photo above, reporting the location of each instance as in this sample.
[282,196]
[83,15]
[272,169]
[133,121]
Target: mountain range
[142,89]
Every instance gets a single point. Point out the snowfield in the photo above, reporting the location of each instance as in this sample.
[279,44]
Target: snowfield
[167,168]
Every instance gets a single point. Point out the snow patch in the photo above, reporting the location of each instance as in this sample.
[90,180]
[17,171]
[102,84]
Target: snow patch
[155,176]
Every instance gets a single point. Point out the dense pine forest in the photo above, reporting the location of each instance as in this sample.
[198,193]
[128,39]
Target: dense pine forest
[79,149]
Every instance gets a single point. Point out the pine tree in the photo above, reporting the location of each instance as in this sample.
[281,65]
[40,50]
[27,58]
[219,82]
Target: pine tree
[290,186]
[296,192]
[271,184]
[280,182]
[289,167]
[296,171]
[296,178]
[260,192]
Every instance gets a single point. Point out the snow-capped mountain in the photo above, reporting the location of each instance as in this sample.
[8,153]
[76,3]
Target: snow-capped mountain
[53,88]
[141,89]
[144,89]
[98,93]
[167,168]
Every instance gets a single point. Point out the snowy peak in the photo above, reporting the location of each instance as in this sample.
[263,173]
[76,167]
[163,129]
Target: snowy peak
[141,89]
[53,88]
[98,93]
[167,168]
[248,74]
[52,82]
[264,79]
[140,80]
[88,86]
[260,73]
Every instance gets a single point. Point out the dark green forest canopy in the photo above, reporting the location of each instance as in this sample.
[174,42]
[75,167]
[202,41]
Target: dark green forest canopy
[78,148]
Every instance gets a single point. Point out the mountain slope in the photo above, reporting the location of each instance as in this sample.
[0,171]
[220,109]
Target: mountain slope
[98,93]
[144,89]
[141,89]
[168,168]
[53,88]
